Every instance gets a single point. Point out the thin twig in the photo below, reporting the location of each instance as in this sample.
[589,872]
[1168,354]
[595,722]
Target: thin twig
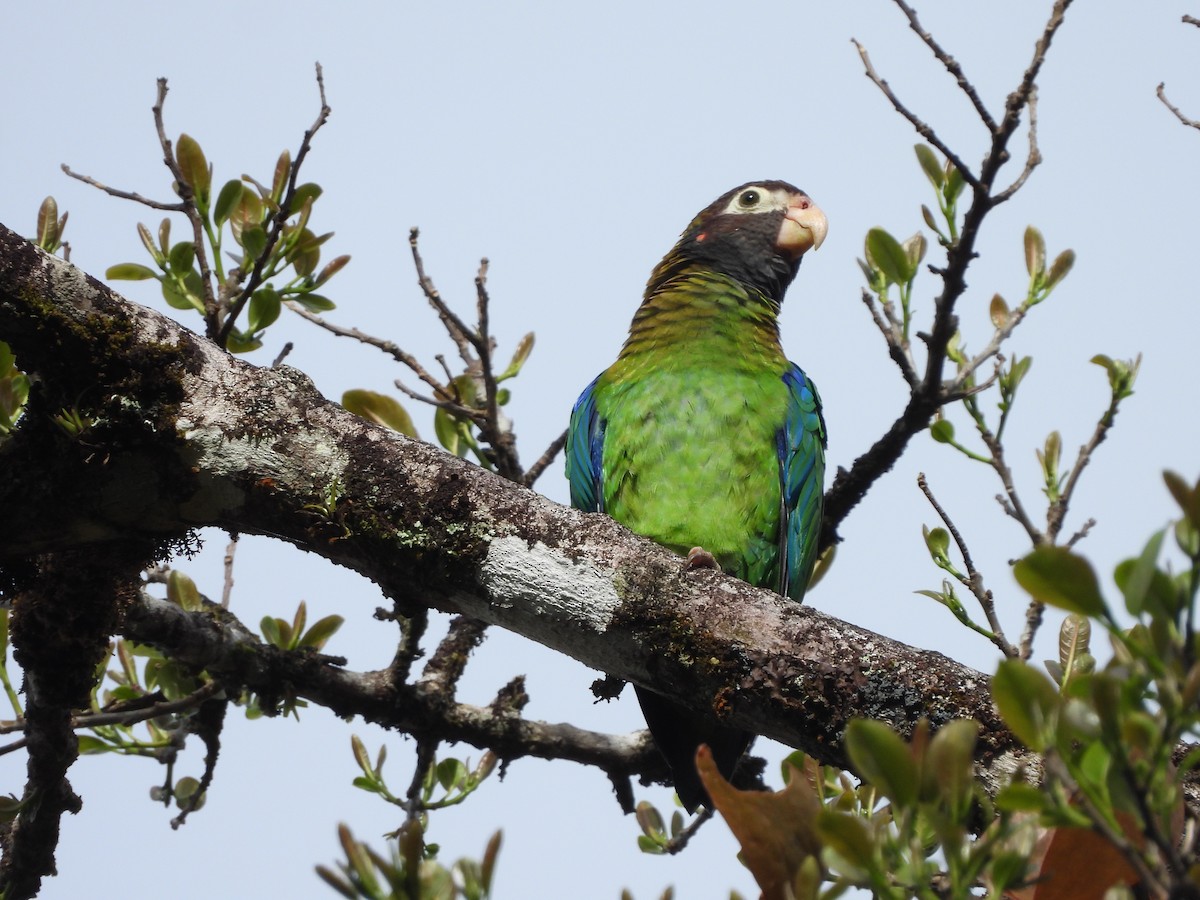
[1012,500]
[974,580]
[1032,159]
[545,459]
[455,327]
[1033,621]
[680,841]
[449,660]
[279,220]
[392,349]
[123,195]
[900,353]
[188,195]
[282,355]
[120,717]
[950,63]
[1058,509]
[922,129]
[1162,95]
[230,549]
[1082,533]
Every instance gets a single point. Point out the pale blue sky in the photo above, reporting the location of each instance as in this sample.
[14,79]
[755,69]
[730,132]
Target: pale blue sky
[571,145]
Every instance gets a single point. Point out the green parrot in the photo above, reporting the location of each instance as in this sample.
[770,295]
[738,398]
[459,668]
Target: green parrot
[703,436]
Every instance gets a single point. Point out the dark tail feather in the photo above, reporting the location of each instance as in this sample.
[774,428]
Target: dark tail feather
[678,732]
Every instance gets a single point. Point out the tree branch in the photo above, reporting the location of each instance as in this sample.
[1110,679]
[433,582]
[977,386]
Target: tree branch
[260,451]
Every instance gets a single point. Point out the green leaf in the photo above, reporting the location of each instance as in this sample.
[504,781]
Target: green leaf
[305,193]
[254,241]
[182,591]
[148,243]
[90,745]
[164,236]
[848,836]
[886,254]
[445,426]
[1020,796]
[1134,577]
[48,225]
[1058,577]
[998,311]
[231,192]
[305,253]
[321,631]
[949,765]
[954,183]
[942,431]
[283,168]
[269,626]
[130,272]
[914,251]
[524,348]
[451,773]
[1035,253]
[264,309]
[246,213]
[360,754]
[176,298]
[930,165]
[315,303]
[1187,496]
[881,757]
[1059,268]
[194,168]
[239,342]
[332,267]
[380,409]
[1028,703]
[181,257]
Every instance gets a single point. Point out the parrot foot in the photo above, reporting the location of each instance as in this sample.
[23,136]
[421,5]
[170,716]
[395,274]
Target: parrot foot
[699,558]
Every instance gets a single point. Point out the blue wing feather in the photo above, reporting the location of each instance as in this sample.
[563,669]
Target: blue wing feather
[801,448]
[584,451]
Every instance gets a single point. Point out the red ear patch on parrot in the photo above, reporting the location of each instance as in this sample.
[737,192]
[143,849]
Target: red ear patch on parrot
[701,236]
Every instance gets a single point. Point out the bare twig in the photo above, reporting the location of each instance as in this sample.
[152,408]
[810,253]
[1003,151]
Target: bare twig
[120,717]
[282,355]
[950,63]
[973,580]
[1162,95]
[449,661]
[188,195]
[898,350]
[455,327]
[1033,621]
[279,220]
[545,459]
[1058,509]
[1081,533]
[1032,159]
[1011,501]
[227,588]
[922,129]
[389,347]
[123,195]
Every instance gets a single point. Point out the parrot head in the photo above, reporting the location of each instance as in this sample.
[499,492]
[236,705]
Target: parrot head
[755,233]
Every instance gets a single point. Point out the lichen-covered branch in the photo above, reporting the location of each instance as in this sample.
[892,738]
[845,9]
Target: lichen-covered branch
[198,438]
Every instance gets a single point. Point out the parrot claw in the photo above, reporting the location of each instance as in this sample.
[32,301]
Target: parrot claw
[699,558]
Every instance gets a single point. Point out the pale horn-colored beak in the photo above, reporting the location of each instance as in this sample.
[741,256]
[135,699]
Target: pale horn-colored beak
[804,227]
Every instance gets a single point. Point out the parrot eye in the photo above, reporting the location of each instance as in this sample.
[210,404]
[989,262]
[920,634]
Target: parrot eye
[748,199]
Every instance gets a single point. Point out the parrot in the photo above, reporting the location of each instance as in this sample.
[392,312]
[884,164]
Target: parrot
[703,437]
